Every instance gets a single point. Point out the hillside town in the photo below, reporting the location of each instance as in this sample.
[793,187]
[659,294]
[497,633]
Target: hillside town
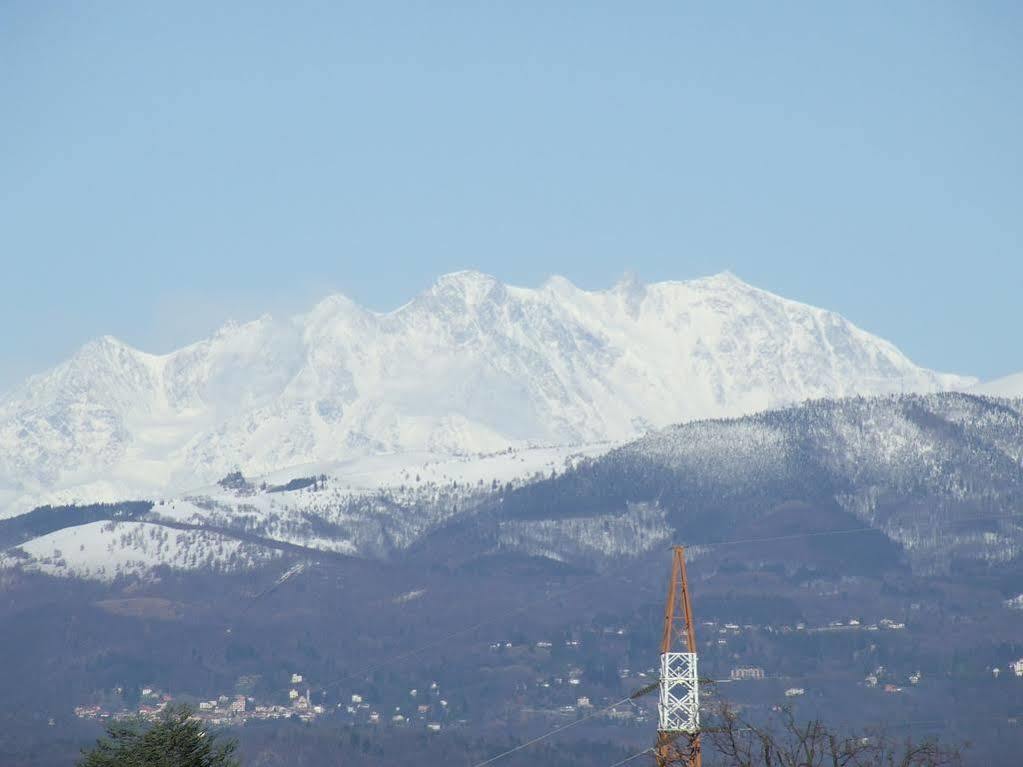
[561,688]
[426,708]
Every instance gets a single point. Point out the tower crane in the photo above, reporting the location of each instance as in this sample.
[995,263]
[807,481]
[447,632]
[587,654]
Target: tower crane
[678,707]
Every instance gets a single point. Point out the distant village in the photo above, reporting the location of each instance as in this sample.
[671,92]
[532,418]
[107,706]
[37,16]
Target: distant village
[560,694]
[237,709]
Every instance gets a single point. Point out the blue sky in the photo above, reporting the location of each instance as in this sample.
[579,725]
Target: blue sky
[164,167]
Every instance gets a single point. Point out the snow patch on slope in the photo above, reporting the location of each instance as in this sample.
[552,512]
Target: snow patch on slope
[369,506]
[639,529]
[107,550]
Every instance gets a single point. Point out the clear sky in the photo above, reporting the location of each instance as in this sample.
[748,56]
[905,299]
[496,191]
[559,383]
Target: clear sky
[166,166]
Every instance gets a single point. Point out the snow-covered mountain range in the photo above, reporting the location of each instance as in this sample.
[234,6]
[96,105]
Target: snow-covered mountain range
[940,476]
[470,365]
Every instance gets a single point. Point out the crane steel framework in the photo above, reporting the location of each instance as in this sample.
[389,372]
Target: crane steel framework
[678,710]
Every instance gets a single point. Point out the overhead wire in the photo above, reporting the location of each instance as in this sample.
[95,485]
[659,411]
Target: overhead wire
[549,733]
[628,759]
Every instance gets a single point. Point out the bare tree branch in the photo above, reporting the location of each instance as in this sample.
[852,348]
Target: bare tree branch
[784,741]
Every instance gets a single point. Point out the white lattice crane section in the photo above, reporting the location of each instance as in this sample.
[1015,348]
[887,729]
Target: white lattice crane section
[679,707]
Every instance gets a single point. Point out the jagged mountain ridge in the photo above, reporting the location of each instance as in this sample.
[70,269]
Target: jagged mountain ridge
[470,365]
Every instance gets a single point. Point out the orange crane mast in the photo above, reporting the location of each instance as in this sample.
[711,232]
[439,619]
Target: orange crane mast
[678,708]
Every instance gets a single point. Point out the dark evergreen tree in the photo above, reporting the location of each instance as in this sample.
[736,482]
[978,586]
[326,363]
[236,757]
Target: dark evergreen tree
[176,740]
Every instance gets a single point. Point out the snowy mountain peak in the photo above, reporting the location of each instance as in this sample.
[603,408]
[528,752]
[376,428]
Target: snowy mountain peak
[467,287]
[724,279]
[469,365]
[556,285]
[465,279]
[105,343]
[107,348]
[629,283]
[234,328]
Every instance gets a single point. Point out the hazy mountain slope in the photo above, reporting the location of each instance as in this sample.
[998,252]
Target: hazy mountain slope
[470,365]
[373,507]
[1010,386]
[938,474]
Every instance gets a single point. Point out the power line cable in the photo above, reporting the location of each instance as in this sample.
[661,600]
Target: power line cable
[637,755]
[549,733]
